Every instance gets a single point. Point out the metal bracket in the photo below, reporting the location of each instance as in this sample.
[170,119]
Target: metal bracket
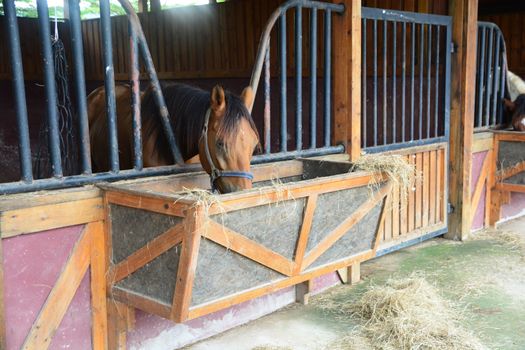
[453,47]
[450,208]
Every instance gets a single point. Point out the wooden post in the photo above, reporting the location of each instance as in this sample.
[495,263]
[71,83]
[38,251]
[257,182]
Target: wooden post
[3,344]
[350,274]
[464,34]
[302,292]
[347,77]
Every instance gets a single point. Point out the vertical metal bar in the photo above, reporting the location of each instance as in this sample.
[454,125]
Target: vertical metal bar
[421,53]
[489,79]
[394,87]
[313,78]
[135,97]
[438,53]
[282,51]
[403,83]
[364,117]
[385,78]
[327,76]
[448,56]
[503,74]
[413,64]
[24,147]
[497,66]
[109,84]
[50,87]
[267,114]
[429,77]
[299,78]
[80,84]
[375,82]
[481,69]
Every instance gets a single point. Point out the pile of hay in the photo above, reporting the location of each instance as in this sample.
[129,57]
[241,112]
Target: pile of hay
[410,314]
[396,167]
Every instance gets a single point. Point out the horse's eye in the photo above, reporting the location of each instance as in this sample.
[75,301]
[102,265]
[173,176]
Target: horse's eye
[220,144]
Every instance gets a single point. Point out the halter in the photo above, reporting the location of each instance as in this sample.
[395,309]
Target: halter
[216,173]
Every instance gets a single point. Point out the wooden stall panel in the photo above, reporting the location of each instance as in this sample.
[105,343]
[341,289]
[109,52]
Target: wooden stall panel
[420,210]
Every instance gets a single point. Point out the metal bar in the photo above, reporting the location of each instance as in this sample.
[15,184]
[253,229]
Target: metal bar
[429,77]
[503,74]
[421,53]
[396,146]
[375,82]
[80,85]
[385,78]
[135,97]
[403,83]
[394,87]
[298,78]
[413,65]
[267,106]
[481,78]
[284,133]
[364,115]
[24,146]
[497,66]
[403,16]
[327,77]
[109,83]
[438,53]
[265,158]
[489,79]
[313,78]
[50,87]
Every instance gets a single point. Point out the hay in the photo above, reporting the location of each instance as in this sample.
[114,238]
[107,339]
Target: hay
[397,169]
[410,314]
[271,347]
[509,239]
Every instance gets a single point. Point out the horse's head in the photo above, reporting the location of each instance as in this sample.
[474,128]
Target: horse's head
[516,110]
[228,140]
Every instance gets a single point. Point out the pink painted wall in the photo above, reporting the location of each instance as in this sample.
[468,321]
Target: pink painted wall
[32,264]
[477,163]
[516,207]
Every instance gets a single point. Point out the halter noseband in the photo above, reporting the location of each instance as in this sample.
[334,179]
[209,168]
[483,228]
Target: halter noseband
[216,173]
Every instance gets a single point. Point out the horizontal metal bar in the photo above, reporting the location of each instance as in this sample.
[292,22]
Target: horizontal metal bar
[265,158]
[79,180]
[411,242]
[403,16]
[396,146]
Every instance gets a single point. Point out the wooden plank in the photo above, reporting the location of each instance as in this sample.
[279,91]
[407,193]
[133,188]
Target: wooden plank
[425,189]
[46,217]
[354,132]
[162,206]
[419,190]
[187,264]
[495,195]
[510,187]
[346,225]
[153,249]
[412,198]
[488,187]
[141,302]
[403,227]
[221,304]
[34,199]
[440,181]
[61,295]
[463,85]
[510,171]
[305,232]
[482,142]
[476,196]
[302,292]
[350,274]
[380,227]
[238,243]
[395,212]
[99,325]
[433,189]
[387,227]
[3,344]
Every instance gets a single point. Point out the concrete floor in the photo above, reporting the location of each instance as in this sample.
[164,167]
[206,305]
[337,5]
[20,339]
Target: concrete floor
[485,276]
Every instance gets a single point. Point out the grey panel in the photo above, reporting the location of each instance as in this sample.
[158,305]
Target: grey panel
[358,239]
[157,279]
[518,179]
[510,153]
[332,209]
[318,168]
[283,180]
[275,226]
[222,272]
[132,228]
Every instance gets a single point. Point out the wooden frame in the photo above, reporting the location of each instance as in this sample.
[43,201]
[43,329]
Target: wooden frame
[196,226]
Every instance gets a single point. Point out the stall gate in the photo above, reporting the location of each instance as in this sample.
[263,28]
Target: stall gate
[406,110]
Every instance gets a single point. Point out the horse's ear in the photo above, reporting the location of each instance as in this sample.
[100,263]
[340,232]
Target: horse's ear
[247,97]
[509,105]
[218,102]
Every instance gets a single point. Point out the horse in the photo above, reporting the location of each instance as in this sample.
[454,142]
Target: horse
[216,127]
[515,106]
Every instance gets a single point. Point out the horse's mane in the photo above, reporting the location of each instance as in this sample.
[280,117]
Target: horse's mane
[187,107]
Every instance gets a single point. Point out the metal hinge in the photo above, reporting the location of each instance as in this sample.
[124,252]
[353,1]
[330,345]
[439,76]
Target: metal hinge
[453,47]
[450,208]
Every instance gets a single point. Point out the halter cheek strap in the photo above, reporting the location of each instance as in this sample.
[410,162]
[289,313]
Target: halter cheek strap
[216,173]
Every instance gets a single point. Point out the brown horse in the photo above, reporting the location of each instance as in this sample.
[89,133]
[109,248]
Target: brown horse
[217,127]
[515,111]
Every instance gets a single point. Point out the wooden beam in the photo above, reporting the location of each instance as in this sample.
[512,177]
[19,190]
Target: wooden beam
[302,242]
[99,324]
[302,292]
[463,85]
[476,196]
[61,295]
[3,344]
[347,81]
[350,274]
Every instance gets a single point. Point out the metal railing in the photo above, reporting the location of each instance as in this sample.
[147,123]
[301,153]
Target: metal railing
[490,76]
[407,100]
[263,59]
